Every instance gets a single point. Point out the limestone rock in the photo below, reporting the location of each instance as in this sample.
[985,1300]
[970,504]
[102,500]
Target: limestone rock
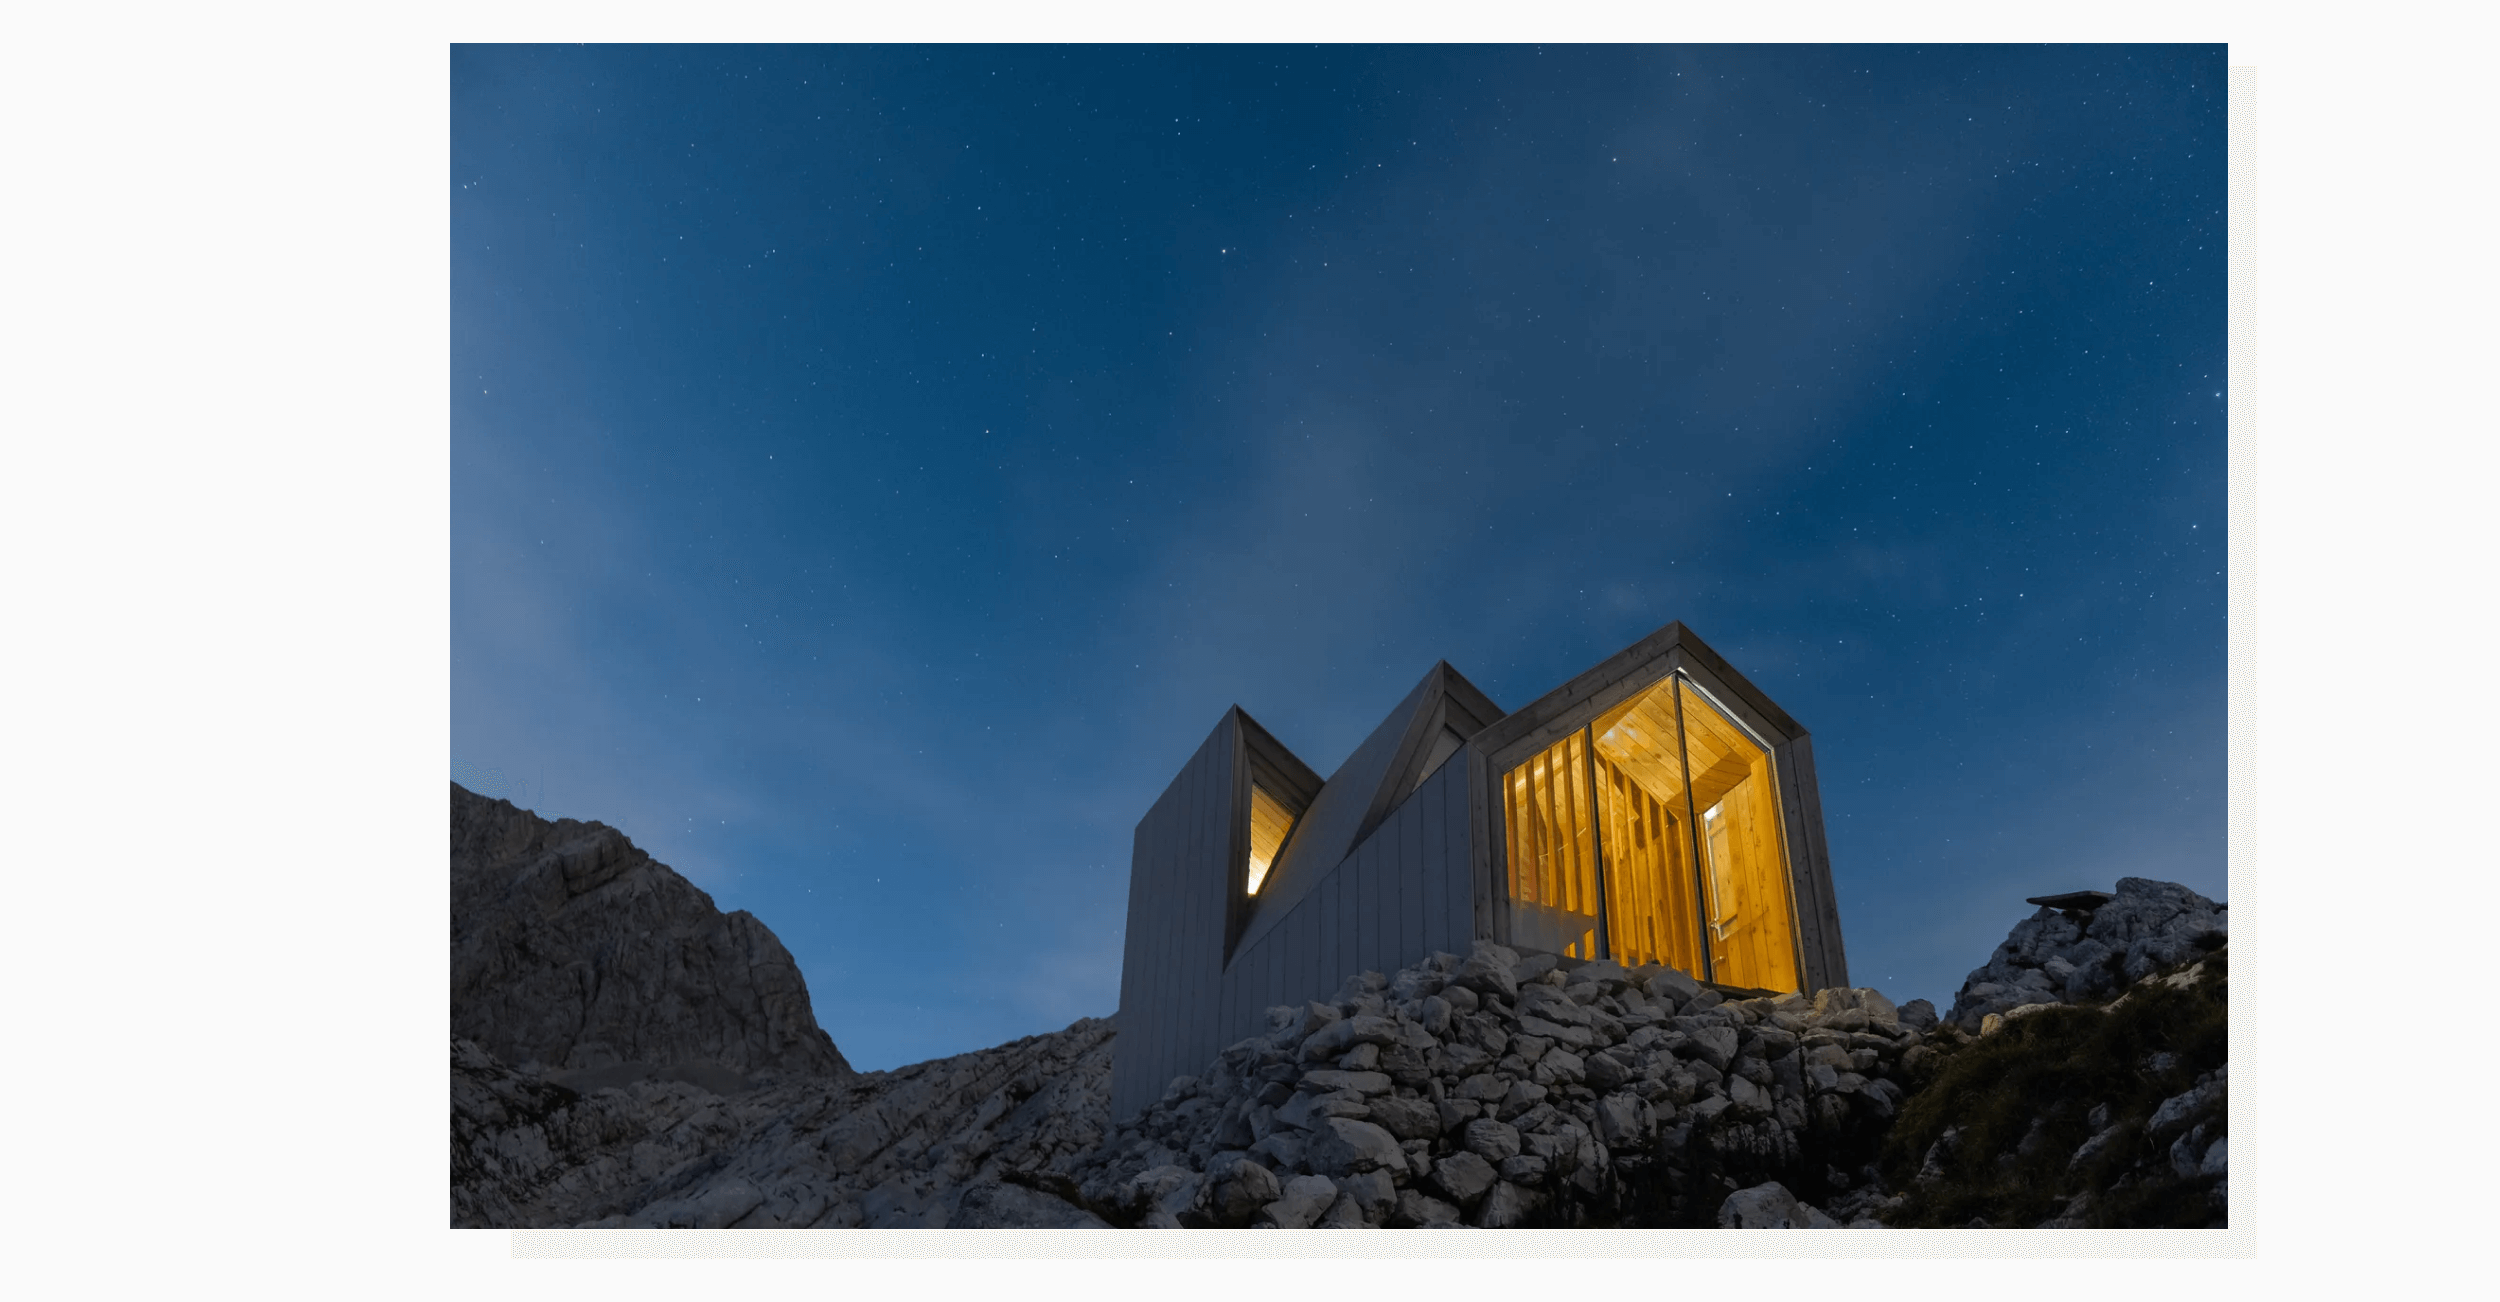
[570,948]
[1771,1207]
[1344,1147]
[1464,1176]
[1488,970]
[1305,1198]
[1423,1211]
[2060,956]
[1240,1192]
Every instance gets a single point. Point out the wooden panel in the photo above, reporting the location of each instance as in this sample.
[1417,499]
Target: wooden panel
[1552,849]
[1269,821]
[1744,859]
[1649,876]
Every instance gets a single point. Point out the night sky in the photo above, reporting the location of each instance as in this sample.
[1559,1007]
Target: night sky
[875,470]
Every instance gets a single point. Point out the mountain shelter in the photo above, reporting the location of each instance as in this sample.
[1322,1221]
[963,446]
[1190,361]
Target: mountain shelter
[1657,808]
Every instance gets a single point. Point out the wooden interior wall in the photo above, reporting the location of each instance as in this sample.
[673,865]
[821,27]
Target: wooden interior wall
[1403,894]
[1549,809]
[1651,898]
[1753,917]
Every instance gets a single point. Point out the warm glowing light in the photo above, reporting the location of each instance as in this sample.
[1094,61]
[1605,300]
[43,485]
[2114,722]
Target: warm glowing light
[1712,900]
[1269,822]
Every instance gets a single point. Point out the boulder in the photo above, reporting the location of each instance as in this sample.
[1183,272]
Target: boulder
[1504,1205]
[1464,1176]
[1406,1118]
[1488,970]
[1492,1140]
[1422,1211]
[1236,1197]
[1304,1199]
[1340,1146]
[1373,1193]
[1771,1207]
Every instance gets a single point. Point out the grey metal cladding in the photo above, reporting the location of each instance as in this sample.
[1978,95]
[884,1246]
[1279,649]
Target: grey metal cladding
[1333,933]
[1458,858]
[1395,856]
[1326,831]
[1819,861]
[1170,954]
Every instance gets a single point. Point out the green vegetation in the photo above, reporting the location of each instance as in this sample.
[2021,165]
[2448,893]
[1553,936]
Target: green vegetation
[2020,1103]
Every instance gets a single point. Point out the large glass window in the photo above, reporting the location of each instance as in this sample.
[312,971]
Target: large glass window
[1674,807]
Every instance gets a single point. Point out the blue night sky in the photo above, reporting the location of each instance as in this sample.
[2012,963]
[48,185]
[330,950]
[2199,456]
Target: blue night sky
[874,470]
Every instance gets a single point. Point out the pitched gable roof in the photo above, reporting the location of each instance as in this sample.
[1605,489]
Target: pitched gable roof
[1425,729]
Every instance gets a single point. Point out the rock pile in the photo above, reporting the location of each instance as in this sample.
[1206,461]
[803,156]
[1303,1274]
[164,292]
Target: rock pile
[625,1055]
[971,1141]
[2073,956]
[1501,1090]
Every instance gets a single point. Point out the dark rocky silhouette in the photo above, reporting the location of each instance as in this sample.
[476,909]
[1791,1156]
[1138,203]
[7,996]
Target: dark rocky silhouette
[574,952]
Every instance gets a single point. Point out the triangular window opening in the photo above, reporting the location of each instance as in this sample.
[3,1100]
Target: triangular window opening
[1270,823]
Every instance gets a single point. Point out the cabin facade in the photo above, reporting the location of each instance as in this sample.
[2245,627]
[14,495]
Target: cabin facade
[1657,808]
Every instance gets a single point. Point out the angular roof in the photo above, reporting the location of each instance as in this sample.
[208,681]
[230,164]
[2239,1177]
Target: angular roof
[1425,729]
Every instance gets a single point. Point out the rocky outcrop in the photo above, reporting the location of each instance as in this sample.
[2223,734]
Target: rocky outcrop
[573,951]
[624,1055]
[2078,1115]
[980,1139]
[2079,955]
[1501,1089]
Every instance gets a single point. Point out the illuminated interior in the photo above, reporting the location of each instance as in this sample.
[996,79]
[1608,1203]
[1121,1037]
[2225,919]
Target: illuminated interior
[1553,853]
[1269,822]
[1657,785]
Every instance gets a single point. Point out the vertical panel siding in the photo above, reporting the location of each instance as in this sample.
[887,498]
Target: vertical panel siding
[1366,908]
[1835,948]
[1460,856]
[1411,823]
[1403,894]
[1430,897]
[1389,949]
[1276,973]
[1178,872]
[1323,955]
